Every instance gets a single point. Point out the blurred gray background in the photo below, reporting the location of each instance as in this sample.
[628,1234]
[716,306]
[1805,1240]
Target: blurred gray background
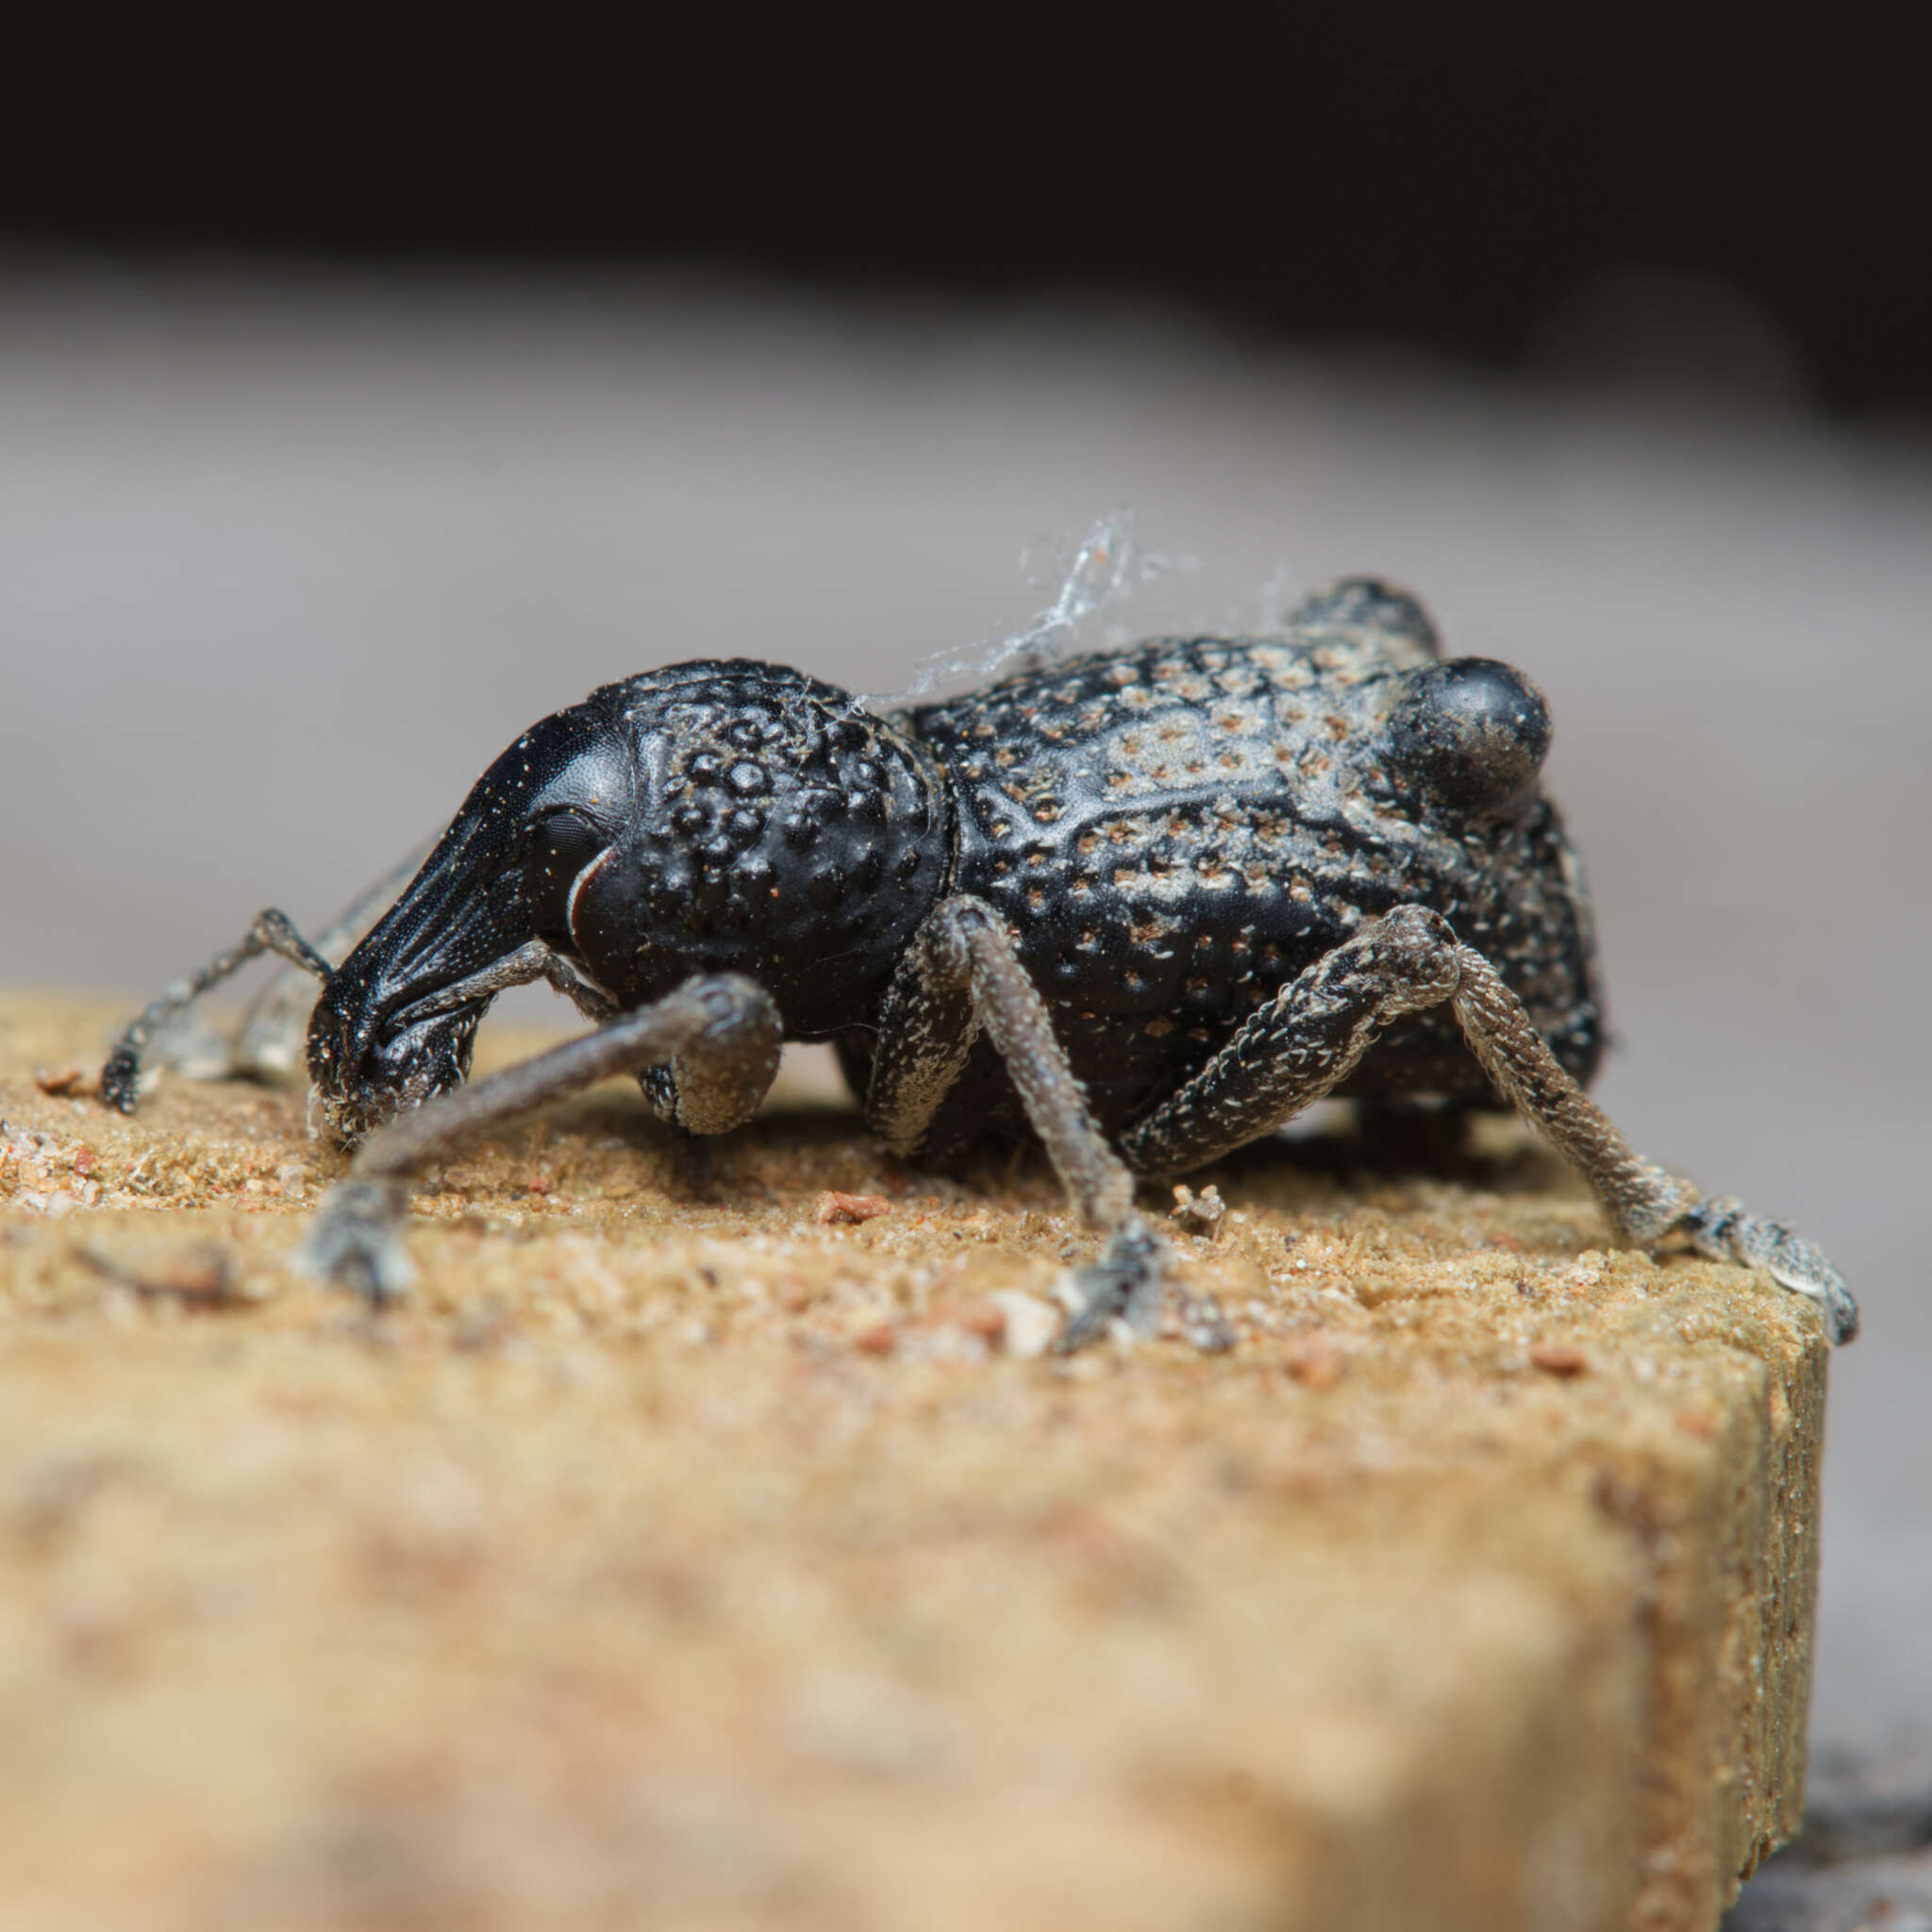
[285,558]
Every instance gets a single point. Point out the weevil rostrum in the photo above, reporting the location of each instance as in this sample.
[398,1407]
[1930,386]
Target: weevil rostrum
[1143,905]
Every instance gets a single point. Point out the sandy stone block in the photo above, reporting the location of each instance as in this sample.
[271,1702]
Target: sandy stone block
[611,1580]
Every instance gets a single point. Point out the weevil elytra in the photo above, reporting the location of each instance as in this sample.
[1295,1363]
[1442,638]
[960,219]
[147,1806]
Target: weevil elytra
[1144,905]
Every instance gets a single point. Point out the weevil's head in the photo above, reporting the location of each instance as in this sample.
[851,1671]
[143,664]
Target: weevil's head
[395,1024]
[713,817]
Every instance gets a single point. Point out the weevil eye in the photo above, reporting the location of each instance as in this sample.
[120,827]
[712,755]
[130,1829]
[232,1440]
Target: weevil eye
[557,849]
[1471,732]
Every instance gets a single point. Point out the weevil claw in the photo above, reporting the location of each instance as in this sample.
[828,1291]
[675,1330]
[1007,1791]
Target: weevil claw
[1124,1284]
[1725,1231]
[355,1244]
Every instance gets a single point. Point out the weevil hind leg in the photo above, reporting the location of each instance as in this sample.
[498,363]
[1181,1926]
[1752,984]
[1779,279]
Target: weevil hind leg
[1308,1039]
[1723,1231]
[1646,1202]
[1300,1047]
[719,1035]
[961,978]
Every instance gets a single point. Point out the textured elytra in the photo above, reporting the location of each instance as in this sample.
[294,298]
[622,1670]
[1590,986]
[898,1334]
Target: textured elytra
[1174,832]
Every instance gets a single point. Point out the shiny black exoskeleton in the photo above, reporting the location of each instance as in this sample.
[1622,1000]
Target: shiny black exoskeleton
[1170,835]
[1173,833]
[1145,905]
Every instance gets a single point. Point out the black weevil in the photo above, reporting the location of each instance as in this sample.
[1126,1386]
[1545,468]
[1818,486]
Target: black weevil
[1146,906]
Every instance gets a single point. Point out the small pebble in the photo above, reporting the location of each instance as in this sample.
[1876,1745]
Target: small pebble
[1201,1214]
[1027,1324]
[833,1207]
[1315,1363]
[979,1315]
[1558,1359]
[882,1338]
[1203,1326]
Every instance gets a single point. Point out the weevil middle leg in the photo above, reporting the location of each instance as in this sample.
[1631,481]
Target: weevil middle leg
[961,978]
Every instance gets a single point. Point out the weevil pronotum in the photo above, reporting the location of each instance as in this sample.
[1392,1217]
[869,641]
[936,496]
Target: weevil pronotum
[1144,905]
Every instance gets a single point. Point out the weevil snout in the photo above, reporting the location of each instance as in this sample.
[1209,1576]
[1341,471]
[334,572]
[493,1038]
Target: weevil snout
[365,1074]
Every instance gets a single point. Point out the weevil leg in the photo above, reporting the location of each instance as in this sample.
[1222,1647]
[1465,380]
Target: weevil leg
[719,1034]
[271,933]
[1303,1043]
[1311,1035]
[268,1045]
[1645,1202]
[1723,1230]
[959,978]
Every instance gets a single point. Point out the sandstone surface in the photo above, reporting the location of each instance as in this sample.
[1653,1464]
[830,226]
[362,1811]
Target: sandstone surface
[693,1553]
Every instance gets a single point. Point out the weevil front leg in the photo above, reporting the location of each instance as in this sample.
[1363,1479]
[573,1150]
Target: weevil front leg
[271,933]
[1313,1033]
[961,978]
[719,1035]
[268,1043]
